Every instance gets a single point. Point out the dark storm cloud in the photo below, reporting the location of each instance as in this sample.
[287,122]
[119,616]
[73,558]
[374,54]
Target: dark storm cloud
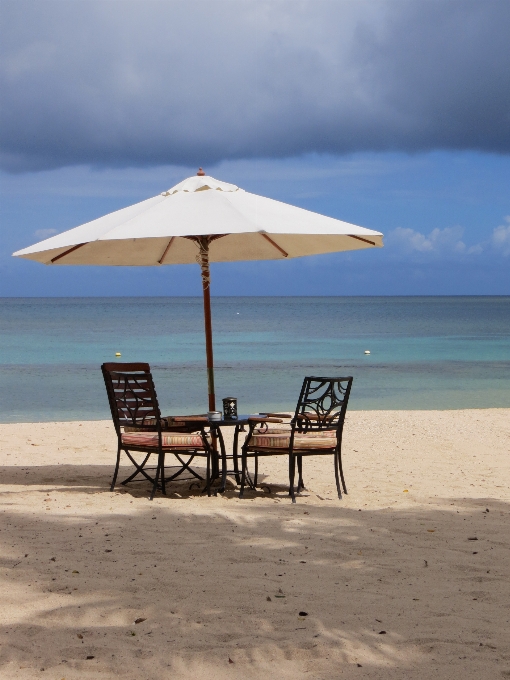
[194,82]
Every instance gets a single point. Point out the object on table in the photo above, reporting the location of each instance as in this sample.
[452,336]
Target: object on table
[230,408]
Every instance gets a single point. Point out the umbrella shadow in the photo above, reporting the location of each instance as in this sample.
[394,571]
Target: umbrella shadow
[210,580]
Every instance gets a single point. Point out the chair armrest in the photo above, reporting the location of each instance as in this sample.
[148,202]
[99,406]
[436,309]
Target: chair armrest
[278,415]
[314,416]
[177,420]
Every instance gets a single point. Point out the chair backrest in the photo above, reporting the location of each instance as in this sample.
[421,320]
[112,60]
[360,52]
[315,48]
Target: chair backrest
[131,367]
[131,395]
[322,403]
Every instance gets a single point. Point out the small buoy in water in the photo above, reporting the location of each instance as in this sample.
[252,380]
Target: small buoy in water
[118,354]
[367,351]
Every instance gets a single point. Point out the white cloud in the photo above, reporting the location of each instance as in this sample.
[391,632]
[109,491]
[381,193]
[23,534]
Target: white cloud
[446,240]
[45,233]
[501,237]
[475,250]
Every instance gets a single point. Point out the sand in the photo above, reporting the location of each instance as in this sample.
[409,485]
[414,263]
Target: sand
[406,577]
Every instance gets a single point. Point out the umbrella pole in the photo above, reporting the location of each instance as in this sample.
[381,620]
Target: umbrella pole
[203,243]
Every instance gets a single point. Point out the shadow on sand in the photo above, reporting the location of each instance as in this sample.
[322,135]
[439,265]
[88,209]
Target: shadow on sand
[388,594]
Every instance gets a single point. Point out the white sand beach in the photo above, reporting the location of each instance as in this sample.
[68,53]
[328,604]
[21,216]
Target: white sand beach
[406,577]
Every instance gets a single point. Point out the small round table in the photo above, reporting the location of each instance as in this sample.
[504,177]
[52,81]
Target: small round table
[239,424]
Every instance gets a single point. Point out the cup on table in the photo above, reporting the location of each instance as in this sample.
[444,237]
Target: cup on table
[214,415]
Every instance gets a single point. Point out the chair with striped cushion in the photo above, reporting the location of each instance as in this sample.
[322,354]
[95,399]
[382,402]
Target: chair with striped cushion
[315,429]
[141,429]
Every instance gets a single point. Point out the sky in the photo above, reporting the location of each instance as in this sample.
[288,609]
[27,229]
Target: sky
[394,115]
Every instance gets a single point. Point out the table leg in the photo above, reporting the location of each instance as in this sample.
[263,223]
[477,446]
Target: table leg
[223,462]
[235,458]
[214,437]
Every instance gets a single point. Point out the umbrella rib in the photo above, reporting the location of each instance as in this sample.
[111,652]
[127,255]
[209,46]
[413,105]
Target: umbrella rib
[275,245]
[66,252]
[362,239]
[160,261]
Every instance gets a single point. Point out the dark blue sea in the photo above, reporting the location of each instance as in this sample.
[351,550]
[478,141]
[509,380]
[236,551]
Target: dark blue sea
[425,352]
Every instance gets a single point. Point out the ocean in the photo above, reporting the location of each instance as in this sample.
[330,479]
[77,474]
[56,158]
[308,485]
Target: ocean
[425,352]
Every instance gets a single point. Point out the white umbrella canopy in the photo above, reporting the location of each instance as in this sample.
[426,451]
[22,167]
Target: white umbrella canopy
[251,228]
[201,220]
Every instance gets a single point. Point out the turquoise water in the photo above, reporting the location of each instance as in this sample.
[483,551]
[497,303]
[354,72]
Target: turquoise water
[426,352]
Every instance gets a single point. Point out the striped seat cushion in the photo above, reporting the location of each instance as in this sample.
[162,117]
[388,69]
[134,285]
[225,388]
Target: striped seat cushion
[286,432]
[168,440]
[280,440]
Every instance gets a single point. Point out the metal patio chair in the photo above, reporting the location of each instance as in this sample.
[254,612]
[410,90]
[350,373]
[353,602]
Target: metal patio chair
[315,429]
[141,429]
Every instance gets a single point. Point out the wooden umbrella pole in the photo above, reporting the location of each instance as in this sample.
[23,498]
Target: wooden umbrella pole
[203,260]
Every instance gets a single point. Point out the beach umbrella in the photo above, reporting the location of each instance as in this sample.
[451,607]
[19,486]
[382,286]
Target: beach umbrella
[201,220]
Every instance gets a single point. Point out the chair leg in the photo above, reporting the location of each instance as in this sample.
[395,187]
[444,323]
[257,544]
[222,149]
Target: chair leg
[301,484]
[185,466]
[337,479]
[163,483]
[256,475]
[139,468]
[156,478]
[112,487]
[292,472]
[341,470]
[235,459]
[208,472]
[244,463]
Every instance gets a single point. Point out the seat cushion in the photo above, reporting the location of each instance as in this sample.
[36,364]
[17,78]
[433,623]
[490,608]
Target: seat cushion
[286,432]
[280,440]
[168,440]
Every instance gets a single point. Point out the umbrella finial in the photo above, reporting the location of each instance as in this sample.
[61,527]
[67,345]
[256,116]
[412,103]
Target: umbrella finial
[200,172]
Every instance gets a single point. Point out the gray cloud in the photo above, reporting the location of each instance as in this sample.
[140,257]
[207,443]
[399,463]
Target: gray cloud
[194,82]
